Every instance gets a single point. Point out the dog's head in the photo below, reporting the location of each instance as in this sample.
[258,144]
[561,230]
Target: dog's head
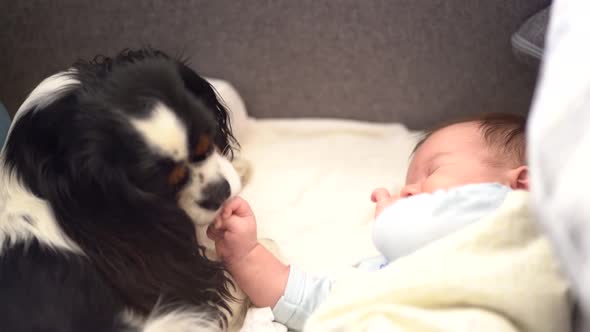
[137,125]
[130,152]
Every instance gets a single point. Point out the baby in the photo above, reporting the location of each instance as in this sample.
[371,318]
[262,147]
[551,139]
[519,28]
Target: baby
[459,173]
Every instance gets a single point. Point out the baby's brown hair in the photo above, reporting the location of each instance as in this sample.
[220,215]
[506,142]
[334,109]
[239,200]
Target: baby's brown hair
[502,131]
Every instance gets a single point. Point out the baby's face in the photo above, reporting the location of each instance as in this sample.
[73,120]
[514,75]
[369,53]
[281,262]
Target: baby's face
[453,156]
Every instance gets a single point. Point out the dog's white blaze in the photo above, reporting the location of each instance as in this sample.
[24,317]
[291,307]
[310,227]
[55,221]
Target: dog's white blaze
[163,131]
[23,217]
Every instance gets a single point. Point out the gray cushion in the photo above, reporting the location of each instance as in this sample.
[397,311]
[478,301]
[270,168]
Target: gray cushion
[529,41]
[416,62]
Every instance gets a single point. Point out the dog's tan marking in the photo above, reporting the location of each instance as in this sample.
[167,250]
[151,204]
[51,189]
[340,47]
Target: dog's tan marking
[178,174]
[203,146]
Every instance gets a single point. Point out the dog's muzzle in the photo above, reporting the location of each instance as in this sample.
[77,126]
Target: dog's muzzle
[215,194]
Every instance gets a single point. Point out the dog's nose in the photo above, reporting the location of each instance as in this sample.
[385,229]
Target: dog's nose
[215,194]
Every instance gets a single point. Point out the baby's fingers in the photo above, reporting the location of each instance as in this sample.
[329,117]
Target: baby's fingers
[237,206]
[214,233]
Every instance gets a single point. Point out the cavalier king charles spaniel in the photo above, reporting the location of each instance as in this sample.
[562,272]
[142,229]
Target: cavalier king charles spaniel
[108,170]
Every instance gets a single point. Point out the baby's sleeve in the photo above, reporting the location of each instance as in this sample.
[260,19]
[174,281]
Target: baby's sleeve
[416,221]
[303,294]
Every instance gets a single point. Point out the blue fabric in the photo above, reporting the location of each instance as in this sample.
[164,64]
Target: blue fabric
[413,222]
[303,294]
[4,124]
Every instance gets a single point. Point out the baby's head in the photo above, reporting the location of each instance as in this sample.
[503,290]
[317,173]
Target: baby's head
[486,148]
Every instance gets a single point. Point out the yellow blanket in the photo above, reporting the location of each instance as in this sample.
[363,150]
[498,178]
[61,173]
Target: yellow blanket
[498,275]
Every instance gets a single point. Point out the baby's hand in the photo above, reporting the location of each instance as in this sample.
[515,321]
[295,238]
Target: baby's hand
[382,198]
[234,231]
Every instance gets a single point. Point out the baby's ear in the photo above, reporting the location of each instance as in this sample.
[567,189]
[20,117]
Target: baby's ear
[519,178]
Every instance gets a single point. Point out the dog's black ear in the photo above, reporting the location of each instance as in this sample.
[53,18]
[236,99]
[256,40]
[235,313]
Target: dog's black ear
[53,145]
[202,90]
[34,150]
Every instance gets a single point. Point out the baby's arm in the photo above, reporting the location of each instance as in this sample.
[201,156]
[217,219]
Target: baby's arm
[261,276]
[292,294]
[258,273]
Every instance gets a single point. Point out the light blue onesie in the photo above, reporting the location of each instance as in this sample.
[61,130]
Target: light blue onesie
[400,229]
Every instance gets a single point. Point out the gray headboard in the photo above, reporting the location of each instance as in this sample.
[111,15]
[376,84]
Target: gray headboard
[412,61]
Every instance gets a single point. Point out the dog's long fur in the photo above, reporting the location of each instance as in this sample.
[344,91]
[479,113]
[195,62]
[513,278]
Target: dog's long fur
[106,171]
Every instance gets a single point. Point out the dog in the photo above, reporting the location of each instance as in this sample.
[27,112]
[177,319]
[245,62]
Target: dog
[107,171]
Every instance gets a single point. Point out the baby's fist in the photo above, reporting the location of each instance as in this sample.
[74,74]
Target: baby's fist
[234,231]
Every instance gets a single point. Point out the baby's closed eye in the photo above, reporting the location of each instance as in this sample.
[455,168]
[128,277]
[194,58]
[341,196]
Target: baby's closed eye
[433,168]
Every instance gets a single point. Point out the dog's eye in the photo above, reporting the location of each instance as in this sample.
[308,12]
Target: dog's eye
[203,148]
[177,175]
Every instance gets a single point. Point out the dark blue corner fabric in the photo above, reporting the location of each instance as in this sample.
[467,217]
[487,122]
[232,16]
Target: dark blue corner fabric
[4,124]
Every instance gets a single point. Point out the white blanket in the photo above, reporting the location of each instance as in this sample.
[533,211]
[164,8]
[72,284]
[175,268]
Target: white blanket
[498,274]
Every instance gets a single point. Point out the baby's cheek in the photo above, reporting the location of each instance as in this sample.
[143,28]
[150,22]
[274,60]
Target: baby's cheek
[432,184]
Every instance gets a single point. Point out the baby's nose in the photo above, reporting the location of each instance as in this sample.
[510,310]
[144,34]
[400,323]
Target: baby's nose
[409,190]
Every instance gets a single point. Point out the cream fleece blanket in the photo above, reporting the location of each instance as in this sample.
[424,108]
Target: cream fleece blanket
[495,275]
